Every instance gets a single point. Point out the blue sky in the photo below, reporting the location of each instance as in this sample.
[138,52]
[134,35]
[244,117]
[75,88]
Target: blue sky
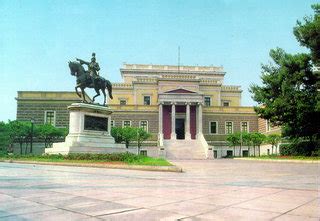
[38,38]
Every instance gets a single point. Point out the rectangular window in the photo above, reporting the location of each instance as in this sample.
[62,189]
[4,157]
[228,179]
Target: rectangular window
[213,127]
[49,118]
[144,125]
[229,127]
[245,126]
[143,153]
[126,123]
[112,123]
[207,101]
[268,125]
[226,103]
[146,100]
[123,102]
[229,153]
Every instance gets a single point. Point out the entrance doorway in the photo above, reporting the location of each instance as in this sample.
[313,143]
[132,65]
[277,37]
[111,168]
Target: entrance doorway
[180,129]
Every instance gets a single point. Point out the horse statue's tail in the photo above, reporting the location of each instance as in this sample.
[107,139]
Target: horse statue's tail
[109,87]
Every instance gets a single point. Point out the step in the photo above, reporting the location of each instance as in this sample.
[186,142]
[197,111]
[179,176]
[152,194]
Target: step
[184,149]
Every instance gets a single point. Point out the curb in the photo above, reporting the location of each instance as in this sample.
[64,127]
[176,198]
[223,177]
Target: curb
[126,167]
[280,161]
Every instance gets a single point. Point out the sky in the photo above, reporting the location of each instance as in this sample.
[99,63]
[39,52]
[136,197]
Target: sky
[39,37]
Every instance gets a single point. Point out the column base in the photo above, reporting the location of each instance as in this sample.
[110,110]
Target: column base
[199,135]
[173,136]
[160,139]
[187,136]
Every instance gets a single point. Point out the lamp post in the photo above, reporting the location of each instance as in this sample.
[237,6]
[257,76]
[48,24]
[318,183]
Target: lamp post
[31,136]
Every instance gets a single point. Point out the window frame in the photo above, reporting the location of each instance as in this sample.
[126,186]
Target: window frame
[126,126]
[210,132]
[227,127]
[248,130]
[144,96]
[226,102]
[121,100]
[205,104]
[147,127]
[54,117]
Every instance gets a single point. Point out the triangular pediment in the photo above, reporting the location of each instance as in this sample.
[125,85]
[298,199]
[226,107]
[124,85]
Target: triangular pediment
[180,91]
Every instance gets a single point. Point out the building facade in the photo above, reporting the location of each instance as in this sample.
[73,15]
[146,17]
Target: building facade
[180,103]
[173,103]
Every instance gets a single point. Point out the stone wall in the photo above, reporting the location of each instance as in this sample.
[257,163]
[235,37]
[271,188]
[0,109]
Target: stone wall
[36,110]
[135,118]
[222,118]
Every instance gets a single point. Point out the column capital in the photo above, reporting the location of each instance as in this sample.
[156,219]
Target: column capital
[187,103]
[173,103]
[160,103]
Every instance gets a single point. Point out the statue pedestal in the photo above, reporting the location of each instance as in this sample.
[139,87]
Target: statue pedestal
[89,131]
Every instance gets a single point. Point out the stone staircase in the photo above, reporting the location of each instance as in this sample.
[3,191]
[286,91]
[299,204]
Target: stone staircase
[184,149]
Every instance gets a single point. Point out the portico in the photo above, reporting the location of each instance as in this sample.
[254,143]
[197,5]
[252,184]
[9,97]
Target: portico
[180,115]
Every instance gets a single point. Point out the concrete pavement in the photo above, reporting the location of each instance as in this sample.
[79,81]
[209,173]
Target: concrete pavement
[208,190]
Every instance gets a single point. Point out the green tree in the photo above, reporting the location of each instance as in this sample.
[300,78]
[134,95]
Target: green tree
[129,134]
[116,133]
[247,140]
[257,140]
[4,137]
[233,140]
[49,133]
[141,135]
[19,131]
[274,140]
[289,96]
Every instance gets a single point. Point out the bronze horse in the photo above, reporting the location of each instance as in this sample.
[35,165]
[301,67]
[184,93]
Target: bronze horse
[84,80]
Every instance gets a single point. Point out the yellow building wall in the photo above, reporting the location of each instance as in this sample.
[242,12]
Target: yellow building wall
[213,93]
[234,101]
[153,93]
[121,94]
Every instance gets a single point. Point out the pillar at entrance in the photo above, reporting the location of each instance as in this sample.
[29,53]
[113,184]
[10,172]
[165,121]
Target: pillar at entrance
[187,133]
[199,120]
[160,134]
[173,122]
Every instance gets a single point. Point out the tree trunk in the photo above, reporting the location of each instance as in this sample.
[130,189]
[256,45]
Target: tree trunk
[20,148]
[259,150]
[254,151]
[240,151]
[248,151]
[26,149]
[272,150]
[234,151]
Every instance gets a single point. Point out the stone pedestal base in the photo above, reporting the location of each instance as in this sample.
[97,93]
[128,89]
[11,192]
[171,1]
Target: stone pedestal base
[89,132]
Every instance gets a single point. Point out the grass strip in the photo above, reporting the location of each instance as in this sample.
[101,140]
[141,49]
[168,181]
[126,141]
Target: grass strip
[127,158]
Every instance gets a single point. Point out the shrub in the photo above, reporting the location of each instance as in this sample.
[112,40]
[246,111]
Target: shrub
[300,148]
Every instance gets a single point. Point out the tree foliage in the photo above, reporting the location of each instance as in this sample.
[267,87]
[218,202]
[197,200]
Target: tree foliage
[289,95]
[129,134]
[49,133]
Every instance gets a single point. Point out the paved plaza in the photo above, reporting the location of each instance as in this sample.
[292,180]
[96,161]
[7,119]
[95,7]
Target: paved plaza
[207,190]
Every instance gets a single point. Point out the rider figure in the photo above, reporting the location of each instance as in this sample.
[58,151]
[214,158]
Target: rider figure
[93,68]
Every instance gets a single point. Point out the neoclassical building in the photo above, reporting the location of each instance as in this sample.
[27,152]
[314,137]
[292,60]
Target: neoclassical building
[188,109]
[181,105]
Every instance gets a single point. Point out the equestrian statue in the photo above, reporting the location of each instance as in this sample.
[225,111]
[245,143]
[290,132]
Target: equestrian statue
[90,78]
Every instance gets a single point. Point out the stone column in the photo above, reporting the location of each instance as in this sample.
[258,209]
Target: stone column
[173,122]
[199,120]
[187,133]
[160,134]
